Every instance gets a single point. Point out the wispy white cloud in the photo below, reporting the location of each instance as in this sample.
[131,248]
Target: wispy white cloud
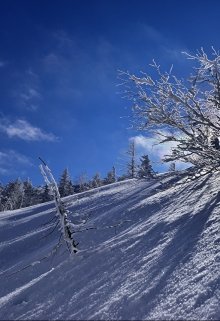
[13,156]
[29,98]
[27,93]
[169,49]
[151,146]
[51,59]
[11,161]
[4,171]
[153,34]
[25,131]
[76,64]
[30,93]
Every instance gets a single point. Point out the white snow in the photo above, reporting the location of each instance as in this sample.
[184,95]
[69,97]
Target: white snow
[15,293]
[162,263]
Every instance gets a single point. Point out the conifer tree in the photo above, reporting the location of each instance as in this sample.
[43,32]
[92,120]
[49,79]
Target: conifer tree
[65,185]
[46,194]
[131,165]
[145,168]
[83,183]
[111,176]
[13,195]
[28,193]
[172,167]
[1,197]
[96,181]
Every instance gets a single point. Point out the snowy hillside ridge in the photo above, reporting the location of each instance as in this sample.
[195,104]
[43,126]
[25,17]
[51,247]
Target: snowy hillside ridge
[162,264]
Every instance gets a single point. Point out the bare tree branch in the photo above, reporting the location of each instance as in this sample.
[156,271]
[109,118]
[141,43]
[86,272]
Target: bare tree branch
[190,108]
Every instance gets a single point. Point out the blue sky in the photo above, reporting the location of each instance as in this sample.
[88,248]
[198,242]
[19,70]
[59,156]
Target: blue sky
[58,76]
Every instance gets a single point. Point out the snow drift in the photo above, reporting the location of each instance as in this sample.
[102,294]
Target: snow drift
[161,264]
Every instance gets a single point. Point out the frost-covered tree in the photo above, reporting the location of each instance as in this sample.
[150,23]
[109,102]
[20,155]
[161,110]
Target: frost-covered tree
[122,177]
[131,164]
[83,184]
[172,167]
[62,212]
[46,194]
[183,112]
[12,195]
[111,176]
[96,181]
[1,197]
[145,169]
[65,184]
[28,193]
[62,222]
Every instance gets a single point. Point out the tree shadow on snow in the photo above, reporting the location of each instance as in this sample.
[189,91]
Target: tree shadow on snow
[180,249]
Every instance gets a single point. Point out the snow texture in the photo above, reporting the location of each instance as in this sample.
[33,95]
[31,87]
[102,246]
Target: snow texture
[162,263]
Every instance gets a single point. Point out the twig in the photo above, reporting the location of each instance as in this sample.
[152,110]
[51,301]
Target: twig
[104,228]
[52,252]
[53,218]
[50,232]
[42,161]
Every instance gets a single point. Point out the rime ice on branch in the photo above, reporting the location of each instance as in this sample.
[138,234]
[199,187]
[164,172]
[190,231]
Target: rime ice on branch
[184,112]
[64,223]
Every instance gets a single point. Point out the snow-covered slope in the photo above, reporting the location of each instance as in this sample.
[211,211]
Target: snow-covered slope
[162,264]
